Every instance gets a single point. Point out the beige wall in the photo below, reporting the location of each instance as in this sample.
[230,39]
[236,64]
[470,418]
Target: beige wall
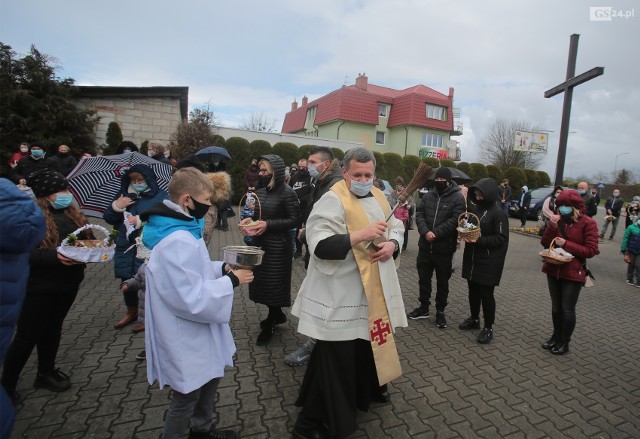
[140,119]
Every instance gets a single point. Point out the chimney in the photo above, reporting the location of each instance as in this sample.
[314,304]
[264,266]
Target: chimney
[361,81]
[294,105]
[305,100]
[450,92]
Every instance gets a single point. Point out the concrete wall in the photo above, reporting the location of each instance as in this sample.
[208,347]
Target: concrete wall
[140,119]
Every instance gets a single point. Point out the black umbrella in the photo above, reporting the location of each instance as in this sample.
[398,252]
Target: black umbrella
[456,175]
[213,154]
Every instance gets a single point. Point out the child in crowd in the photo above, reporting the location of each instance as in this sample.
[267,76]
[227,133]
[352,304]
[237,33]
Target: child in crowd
[631,250]
[247,212]
[188,306]
[137,283]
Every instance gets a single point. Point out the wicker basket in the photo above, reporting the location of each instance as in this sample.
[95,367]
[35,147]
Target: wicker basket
[609,218]
[552,256]
[250,224]
[88,250]
[468,234]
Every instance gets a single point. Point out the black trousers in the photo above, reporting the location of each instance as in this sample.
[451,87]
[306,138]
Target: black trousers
[40,324]
[523,216]
[482,295]
[564,297]
[427,263]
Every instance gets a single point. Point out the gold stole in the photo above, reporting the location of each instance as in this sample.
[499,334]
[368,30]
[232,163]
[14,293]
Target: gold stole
[383,344]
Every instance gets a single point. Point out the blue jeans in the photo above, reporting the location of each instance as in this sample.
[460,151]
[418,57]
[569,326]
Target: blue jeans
[196,406]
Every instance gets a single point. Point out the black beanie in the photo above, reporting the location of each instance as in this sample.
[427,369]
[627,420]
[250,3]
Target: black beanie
[46,182]
[443,172]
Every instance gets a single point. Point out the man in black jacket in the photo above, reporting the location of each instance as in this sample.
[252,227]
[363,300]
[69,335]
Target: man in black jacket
[64,161]
[437,218]
[588,200]
[301,184]
[325,172]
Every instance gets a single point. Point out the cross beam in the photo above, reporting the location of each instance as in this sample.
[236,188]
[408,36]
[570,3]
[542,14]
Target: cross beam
[567,87]
[593,73]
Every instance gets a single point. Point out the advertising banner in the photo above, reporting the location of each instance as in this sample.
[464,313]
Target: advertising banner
[436,153]
[531,142]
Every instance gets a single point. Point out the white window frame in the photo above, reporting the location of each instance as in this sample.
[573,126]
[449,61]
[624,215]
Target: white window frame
[432,140]
[383,137]
[384,108]
[437,112]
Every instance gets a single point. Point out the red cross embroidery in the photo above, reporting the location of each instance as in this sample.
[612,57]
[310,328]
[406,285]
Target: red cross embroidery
[379,332]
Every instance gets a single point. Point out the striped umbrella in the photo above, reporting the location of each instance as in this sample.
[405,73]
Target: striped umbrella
[95,181]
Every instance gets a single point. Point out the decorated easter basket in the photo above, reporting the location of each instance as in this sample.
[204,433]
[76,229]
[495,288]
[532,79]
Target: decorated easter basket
[250,224]
[555,256]
[89,250]
[609,218]
[466,229]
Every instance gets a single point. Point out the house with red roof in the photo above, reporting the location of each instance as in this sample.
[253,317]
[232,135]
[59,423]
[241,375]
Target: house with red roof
[417,120]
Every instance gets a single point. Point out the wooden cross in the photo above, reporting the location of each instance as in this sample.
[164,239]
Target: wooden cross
[567,87]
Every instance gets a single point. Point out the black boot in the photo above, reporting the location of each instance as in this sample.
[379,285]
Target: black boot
[54,380]
[265,335]
[560,348]
[556,317]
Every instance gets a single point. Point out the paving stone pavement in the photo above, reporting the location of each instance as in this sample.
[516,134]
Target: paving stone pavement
[451,387]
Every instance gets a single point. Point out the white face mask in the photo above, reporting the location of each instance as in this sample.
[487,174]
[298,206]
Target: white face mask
[24,149]
[361,188]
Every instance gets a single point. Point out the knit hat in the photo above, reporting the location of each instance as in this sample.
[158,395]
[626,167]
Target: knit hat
[443,172]
[571,198]
[46,182]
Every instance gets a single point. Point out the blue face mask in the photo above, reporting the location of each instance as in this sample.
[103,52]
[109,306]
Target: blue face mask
[313,172]
[62,201]
[140,187]
[37,153]
[361,189]
[582,191]
[565,210]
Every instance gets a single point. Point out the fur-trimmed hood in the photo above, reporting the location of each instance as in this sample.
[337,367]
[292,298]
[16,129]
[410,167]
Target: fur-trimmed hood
[221,186]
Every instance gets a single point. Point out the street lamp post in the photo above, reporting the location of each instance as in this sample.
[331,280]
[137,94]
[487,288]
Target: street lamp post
[615,165]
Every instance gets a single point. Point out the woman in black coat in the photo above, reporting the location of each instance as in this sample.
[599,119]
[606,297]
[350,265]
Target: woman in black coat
[278,214]
[483,258]
[54,281]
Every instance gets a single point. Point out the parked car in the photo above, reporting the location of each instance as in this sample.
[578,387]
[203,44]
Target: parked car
[538,196]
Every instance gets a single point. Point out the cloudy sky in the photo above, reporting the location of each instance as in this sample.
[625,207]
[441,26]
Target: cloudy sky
[248,56]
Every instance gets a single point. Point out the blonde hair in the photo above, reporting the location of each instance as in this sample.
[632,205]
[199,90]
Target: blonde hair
[269,166]
[189,181]
[155,144]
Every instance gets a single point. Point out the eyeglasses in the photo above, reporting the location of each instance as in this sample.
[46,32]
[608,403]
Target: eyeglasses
[263,171]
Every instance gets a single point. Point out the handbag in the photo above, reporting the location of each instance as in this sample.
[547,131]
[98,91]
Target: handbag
[627,258]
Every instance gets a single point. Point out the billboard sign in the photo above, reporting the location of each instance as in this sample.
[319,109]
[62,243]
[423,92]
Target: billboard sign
[531,142]
[436,153]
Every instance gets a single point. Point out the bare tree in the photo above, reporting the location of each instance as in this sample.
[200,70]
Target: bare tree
[497,146]
[259,122]
[194,134]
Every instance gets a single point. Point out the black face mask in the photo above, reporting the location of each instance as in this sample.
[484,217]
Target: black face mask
[200,209]
[441,186]
[265,180]
[63,154]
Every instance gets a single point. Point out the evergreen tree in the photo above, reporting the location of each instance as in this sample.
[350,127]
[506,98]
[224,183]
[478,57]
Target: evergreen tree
[38,106]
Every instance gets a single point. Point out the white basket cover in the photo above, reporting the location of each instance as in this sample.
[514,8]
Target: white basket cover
[88,254]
